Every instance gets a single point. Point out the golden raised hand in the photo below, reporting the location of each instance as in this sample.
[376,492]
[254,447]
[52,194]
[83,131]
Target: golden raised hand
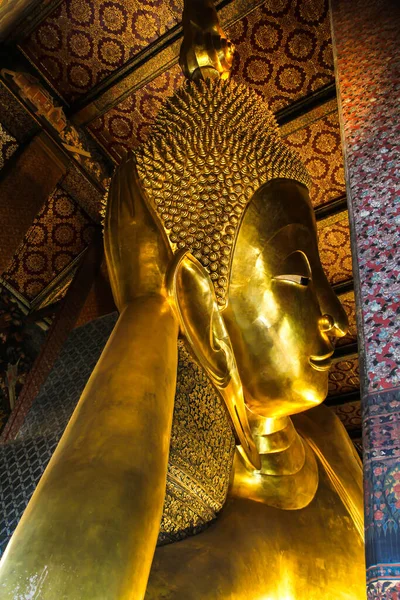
[137,251]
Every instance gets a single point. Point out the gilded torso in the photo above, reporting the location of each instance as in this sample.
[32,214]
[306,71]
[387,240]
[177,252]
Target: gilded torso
[259,552]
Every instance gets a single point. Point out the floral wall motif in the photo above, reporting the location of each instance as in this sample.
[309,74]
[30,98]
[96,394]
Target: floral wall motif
[284,50]
[334,247]
[318,144]
[344,377]
[255,36]
[383,590]
[349,414]
[275,31]
[58,234]
[349,305]
[128,124]
[84,41]
[24,189]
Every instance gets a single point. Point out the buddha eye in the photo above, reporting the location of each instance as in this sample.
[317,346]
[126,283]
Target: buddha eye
[295,269]
[291,278]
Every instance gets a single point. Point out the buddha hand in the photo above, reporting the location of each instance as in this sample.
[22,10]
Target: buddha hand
[137,251]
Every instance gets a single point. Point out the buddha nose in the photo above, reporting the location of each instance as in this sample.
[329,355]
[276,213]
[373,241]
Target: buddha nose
[327,324]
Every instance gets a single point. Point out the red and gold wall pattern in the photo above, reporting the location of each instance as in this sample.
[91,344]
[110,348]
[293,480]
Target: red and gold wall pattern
[334,247]
[58,234]
[318,144]
[344,377]
[128,124]
[283,50]
[84,41]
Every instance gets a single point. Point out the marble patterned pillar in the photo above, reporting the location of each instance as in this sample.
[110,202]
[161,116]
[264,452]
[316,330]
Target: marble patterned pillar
[366,36]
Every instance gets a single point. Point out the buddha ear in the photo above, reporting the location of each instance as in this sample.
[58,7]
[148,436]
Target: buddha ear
[192,292]
[192,295]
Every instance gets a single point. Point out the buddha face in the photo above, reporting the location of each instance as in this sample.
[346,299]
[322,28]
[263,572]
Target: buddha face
[282,315]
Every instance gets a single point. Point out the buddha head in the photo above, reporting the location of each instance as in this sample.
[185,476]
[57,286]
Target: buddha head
[252,297]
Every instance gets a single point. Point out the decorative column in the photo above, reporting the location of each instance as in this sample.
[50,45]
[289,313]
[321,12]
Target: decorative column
[366,35]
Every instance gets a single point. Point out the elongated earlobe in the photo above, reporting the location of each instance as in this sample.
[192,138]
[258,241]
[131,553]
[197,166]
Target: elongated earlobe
[191,292]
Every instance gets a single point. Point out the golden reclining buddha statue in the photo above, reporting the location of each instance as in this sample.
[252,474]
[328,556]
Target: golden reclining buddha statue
[226,331]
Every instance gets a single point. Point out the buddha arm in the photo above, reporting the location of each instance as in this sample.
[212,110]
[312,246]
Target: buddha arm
[91,527]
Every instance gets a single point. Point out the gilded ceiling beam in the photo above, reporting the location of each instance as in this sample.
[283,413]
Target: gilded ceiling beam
[304,105]
[344,352]
[341,399]
[343,287]
[331,208]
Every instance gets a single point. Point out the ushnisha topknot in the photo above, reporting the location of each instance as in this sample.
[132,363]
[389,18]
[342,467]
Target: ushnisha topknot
[214,143]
